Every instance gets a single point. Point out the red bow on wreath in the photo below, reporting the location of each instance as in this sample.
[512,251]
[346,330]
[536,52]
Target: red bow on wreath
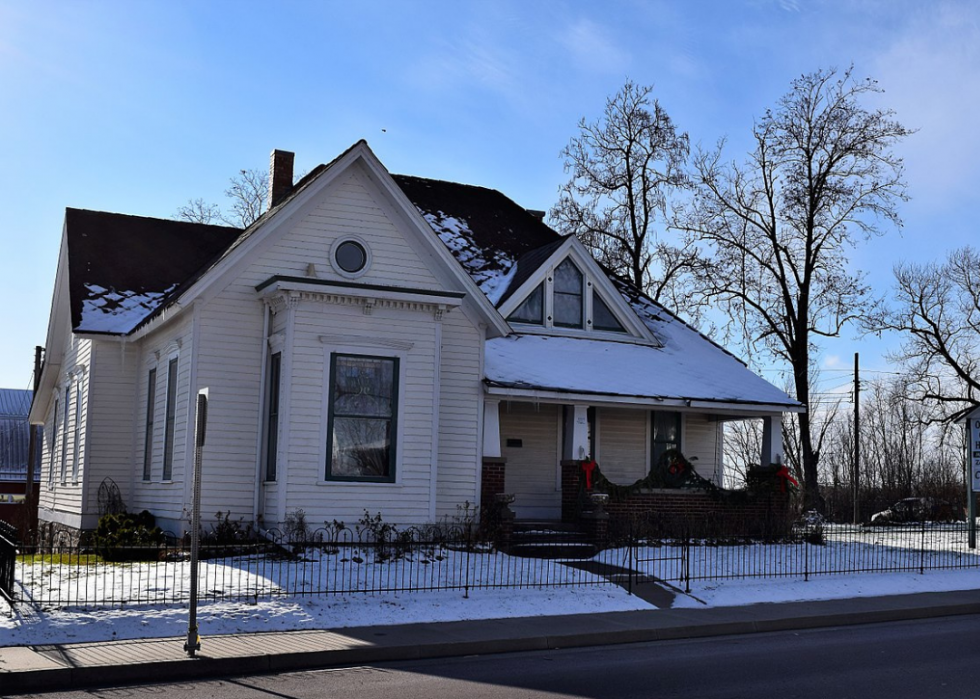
[676,467]
[588,466]
[783,475]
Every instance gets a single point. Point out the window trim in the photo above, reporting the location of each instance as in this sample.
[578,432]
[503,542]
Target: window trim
[170,420]
[54,438]
[64,435]
[76,437]
[394,430]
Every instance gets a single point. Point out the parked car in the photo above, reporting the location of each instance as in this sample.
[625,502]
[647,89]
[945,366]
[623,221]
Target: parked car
[919,510]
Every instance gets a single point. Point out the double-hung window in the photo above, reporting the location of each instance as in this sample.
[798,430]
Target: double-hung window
[362,418]
[272,417]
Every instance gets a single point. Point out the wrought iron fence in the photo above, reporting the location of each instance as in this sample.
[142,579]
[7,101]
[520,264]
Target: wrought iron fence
[349,561]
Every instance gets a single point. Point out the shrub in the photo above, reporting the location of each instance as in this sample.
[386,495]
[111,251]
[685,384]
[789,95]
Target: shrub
[128,537]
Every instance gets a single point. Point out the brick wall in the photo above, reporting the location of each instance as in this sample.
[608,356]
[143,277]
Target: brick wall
[492,481]
[686,512]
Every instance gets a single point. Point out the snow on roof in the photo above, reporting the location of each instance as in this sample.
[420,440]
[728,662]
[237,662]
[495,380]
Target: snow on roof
[686,368]
[110,311]
[492,275]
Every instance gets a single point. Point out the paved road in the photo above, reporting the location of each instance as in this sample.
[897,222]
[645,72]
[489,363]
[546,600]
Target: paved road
[930,658]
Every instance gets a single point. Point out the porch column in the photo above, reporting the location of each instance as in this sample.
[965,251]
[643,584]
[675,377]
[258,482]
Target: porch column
[772,440]
[491,428]
[576,433]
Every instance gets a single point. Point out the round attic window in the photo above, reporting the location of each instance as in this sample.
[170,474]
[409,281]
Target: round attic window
[350,256]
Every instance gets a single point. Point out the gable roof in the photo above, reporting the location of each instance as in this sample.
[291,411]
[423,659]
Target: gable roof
[121,268]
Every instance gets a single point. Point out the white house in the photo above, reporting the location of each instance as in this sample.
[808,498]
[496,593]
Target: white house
[373,341]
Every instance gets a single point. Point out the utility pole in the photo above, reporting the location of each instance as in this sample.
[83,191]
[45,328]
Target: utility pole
[857,440]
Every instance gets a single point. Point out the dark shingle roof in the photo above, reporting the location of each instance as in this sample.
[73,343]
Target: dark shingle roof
[120,265]
[14,433]
[496,234]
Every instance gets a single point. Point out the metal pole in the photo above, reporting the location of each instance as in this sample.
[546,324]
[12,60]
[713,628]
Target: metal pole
[857,441]
[193,643]
[29,495]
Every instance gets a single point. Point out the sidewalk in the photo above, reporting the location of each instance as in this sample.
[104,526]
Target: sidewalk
[74,666]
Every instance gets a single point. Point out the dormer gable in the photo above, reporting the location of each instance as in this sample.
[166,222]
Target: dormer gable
[568,293]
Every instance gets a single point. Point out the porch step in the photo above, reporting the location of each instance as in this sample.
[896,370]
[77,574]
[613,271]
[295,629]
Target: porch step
[552,540]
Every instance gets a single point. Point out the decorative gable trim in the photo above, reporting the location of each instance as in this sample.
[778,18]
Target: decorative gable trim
[595,279]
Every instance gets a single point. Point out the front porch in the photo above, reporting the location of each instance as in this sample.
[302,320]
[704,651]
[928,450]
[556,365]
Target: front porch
[534,452]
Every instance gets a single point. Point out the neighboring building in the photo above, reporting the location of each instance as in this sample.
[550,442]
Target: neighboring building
[374,341]
[14,443]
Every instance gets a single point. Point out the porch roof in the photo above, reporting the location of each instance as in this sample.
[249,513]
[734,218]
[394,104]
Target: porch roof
[682,370]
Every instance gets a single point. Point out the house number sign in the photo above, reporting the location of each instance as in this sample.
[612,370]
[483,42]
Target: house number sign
[974,452]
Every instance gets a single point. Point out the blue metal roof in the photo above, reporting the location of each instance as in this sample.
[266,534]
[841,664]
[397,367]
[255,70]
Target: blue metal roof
[14,433]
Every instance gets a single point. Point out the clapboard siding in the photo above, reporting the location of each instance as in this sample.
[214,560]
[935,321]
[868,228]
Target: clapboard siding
[61,453]
[164,498]
[461,393]
[531,472]
[623,443]
[700,441]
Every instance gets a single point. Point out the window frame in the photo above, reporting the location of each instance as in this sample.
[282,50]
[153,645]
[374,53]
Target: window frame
[393,431]
[64,435]
[76,436]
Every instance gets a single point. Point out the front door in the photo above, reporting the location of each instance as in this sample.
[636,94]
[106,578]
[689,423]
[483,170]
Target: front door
[530,437]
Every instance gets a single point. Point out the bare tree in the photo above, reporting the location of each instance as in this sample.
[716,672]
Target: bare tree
[778,227]
[247,192]
[623,169]
[938,307]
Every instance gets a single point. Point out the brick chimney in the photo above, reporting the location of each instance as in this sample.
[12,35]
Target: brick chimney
[280,176]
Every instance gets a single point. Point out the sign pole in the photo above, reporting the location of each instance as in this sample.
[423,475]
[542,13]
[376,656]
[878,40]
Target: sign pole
[193,643]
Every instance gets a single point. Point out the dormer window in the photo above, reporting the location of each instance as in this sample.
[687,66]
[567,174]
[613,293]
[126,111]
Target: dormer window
[602,317]
[568,295]
[532,309]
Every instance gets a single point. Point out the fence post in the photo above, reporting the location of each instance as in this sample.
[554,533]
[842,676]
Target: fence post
[922,550]
[8,560]
[686,556]
[806,559]
[631,557]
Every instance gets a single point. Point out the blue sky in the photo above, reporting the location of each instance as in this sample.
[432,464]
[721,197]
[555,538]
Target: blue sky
[137,107]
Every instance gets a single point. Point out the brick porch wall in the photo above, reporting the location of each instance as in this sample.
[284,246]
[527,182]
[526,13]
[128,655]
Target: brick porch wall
[693,512]
[492,480]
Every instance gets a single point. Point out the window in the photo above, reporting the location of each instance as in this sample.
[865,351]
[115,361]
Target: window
[54,442]
[532,309]
[602,317]
[666,434]
[272,417]
[64,437]
[151,397]
[77,431]
[351,256]
[168,434]
[361,429]
[568,295]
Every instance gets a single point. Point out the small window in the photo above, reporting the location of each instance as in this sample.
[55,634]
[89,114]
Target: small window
[666,434]
[363,405]
[602,317]
[532,309]
[168,434]
[351,256]
[568,295]
[151,393]
[272,418]
[54,442]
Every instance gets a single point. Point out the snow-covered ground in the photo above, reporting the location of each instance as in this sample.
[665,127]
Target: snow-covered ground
[25,626]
